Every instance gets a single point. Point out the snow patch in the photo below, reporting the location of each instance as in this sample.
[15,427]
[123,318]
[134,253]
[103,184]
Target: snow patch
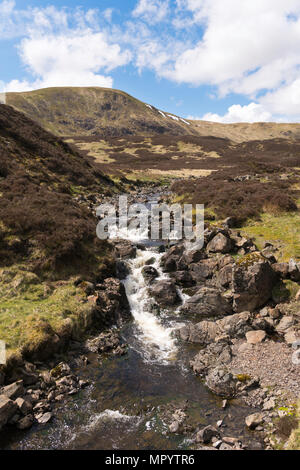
[173,117]
[149,106]
[183,120]
[163,114]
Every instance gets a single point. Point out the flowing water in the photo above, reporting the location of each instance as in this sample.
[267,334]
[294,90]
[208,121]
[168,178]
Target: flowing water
[127,404]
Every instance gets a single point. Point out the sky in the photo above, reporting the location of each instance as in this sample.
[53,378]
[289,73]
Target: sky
[218,60]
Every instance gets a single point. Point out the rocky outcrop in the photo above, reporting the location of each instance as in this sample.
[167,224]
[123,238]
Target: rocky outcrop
[207,302]
[252,285]
[221,382]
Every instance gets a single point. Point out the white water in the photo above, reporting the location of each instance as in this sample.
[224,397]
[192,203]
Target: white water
[156,340]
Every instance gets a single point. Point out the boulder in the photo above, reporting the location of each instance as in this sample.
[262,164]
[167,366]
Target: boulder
[25,406]
[285,324]
[235,325]
[207,302]
[149,273]
[254,420]
[14,390]
[252,285]
[220,244]
[203,270]
[165,293]
[183,278]
[25,423]
[221,382]
[202,333]
[282,269]
[255,336]
[224,276]
[7,409]
[124,249]
[206,434]
[294,271]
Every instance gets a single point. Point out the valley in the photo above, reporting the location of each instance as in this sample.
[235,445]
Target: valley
[128,343]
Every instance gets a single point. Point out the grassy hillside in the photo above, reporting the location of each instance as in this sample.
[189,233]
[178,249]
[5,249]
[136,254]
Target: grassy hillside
[46,237]
[98,111]
[94,111]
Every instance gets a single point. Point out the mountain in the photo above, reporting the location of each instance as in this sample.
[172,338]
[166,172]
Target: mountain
[95,111]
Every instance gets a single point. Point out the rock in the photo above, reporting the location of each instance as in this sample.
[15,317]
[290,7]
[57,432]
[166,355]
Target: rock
[230,222]
[125,250]
[269,404]
[285,323]
[7,409]
[282,269]
[183,278]
[255,336]
[235,325]
[122,270]
[207,302]
[217,444]
[174,427]
[25,406]
[252,285]
[25,423]
[206,434]
[44,418]
[224,446]
[230,440]
[202,270]
[149,273]
[291,336]
[224,404]
[224,276]
[254,420]
[165,293]
[220,244]
[203,333]
[14,390]
[112,303]
[221,382]
[170,259]
[294,271]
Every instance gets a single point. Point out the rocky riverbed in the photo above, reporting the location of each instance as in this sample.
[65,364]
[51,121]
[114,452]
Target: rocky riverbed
[217,319]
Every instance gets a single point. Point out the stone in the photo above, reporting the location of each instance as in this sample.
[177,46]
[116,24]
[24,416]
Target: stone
[25,423]
[165,293]
[25,406]
[269,404]
[174,427]
[252,285]
[221,382]
[282,269]
[220,244]
[255,336]
[291,336]
[285,324]
[224,404]
[206,434]
[13,390]
[44,418]
[207,302]
[7,409]
[254,420]
[294,271]
[224,276]
[149,273]
[203,270]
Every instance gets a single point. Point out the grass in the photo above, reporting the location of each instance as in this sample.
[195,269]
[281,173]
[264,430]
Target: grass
[294,441]
[283,230]
[28,305]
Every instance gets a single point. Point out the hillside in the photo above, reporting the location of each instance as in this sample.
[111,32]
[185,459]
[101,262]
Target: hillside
[98,111]
[244,132]
[39,176]
[95,111]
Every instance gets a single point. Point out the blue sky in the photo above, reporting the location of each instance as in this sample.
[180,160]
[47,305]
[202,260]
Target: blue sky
[222,60]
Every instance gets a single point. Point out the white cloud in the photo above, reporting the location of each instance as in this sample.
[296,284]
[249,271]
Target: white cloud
[65,50]
[252,112]
[151,10]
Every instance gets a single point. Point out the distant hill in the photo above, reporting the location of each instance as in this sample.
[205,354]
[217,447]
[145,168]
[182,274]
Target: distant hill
[96,111]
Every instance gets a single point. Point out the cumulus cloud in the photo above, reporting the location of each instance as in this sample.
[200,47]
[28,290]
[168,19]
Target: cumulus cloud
[252,112]
[63,49]
[152,10]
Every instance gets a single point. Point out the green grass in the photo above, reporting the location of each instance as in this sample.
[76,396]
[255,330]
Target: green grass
[283,230]
[27,309]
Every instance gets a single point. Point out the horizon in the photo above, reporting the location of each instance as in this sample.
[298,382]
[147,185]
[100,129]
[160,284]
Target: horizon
[220,61]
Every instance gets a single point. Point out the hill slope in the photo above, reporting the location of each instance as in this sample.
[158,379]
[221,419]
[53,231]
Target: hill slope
[98,111]
[40,221]
[95,111]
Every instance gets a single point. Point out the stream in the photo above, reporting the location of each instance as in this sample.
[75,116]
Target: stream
[129,398]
